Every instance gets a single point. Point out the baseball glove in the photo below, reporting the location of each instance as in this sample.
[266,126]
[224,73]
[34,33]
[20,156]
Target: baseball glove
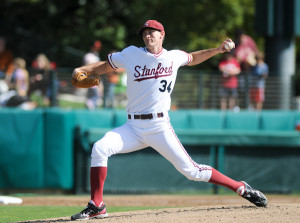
[84,80]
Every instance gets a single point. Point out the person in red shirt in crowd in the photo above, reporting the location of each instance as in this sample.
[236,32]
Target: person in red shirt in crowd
[6,61]
[230,68]
[245,51]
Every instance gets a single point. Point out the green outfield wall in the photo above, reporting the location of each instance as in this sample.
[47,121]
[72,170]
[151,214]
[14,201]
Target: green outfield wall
[50,149]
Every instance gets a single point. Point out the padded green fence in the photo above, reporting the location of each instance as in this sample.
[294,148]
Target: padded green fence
[238,144]
[58,149]
[21,148]
[37,150]
[271,169]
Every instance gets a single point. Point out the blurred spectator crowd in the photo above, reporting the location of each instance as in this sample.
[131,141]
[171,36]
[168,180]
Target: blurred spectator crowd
[18,88]
[104,94]
[39,86]
[29,86]
[244,61]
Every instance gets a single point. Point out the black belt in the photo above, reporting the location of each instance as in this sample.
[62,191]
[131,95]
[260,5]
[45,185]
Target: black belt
[146,116]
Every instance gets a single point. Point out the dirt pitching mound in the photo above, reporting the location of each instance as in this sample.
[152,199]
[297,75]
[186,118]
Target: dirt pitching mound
[208,209]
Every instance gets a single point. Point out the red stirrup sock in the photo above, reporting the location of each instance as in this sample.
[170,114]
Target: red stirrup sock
[220,179]
[97,178]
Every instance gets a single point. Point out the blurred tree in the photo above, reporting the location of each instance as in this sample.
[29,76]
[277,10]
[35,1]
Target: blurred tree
[70,26]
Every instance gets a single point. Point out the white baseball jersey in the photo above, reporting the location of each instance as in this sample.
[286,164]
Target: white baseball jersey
[150,77]
[150,81]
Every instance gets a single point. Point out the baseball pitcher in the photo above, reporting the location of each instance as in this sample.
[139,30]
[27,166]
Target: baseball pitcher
[151,72]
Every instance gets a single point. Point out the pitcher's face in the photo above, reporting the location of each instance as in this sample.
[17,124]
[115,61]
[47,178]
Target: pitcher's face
[153,37]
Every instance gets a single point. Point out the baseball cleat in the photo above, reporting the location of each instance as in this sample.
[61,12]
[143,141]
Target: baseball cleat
[91,211]
[254,196]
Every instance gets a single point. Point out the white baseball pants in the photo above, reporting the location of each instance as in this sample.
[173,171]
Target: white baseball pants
[157,133]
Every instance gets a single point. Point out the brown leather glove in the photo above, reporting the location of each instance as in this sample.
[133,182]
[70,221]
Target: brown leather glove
[84,80]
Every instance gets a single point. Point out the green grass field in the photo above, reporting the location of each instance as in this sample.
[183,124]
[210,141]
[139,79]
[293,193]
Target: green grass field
[13,213]
[52,207]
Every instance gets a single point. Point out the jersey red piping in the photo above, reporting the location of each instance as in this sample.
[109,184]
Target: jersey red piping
[156,55]
[110,62]
[189,57]
[194,164]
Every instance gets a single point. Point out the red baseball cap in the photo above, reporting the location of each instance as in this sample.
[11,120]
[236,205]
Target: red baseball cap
[150,24]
